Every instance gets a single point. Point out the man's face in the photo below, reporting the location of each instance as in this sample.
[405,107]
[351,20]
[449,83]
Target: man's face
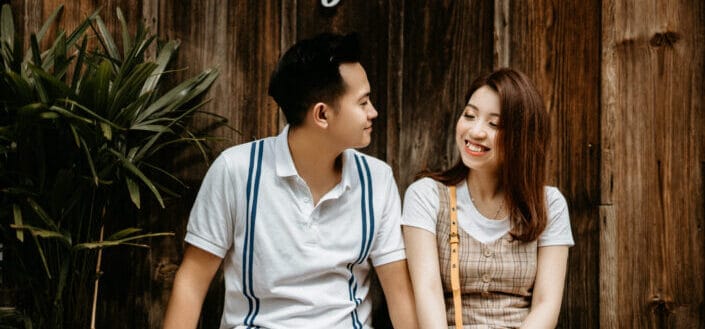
[351,121]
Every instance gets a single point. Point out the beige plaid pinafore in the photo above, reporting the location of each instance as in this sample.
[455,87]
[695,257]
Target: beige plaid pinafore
[496,278]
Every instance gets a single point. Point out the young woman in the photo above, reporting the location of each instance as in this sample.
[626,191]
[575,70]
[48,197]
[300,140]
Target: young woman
[514,232]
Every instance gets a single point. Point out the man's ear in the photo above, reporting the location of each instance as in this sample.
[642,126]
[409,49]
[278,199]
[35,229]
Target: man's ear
[320,114]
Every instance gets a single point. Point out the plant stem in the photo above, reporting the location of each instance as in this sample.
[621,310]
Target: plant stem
[97,279]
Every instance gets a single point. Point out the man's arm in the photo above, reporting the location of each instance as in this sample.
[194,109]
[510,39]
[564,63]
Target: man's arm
[394,278]
[190,287]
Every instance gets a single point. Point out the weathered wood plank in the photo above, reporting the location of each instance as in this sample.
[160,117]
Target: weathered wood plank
[446,45]
[562,56]
[395,79]
[608,221]
[654,65]
[608,270]
[501,33]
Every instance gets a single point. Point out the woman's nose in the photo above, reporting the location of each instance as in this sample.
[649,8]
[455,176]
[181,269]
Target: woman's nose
[478,132]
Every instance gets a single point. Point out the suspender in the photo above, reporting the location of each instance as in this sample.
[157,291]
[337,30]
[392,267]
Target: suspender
[454,270]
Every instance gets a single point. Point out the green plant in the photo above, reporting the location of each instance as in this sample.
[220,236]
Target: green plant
[81,131]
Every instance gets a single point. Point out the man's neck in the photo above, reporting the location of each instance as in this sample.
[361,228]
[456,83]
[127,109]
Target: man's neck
[317,162]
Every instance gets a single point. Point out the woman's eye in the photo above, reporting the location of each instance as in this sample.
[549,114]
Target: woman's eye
[494,124]
[469,116]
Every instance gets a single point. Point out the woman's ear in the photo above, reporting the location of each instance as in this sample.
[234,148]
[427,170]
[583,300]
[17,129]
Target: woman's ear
[320,114]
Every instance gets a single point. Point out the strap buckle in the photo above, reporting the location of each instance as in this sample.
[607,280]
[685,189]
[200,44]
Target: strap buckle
[454,238]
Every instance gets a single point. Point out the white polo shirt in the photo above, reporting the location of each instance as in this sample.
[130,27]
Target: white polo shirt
[288,264]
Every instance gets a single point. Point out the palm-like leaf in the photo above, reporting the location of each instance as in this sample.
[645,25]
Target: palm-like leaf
[81,132]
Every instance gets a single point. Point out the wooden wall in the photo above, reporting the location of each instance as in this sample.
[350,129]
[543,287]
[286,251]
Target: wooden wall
[562,55]
[653,169]
[623,82]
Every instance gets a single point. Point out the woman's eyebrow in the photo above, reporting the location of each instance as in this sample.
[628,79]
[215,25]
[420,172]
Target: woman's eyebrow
[477,109]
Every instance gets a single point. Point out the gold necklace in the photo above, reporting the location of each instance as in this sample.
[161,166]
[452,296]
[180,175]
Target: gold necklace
[501,205]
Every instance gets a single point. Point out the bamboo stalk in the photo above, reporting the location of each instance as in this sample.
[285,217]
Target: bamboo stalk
[97,279]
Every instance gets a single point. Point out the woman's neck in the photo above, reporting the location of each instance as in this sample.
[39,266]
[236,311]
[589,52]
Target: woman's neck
[484,187]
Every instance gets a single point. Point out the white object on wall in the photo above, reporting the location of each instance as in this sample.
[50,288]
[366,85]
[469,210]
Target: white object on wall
[330,3]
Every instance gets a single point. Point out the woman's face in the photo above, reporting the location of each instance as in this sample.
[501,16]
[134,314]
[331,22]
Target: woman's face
[476,131]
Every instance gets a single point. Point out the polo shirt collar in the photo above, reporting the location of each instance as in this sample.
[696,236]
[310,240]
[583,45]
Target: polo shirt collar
[285,163]
[282,155]
[349,169]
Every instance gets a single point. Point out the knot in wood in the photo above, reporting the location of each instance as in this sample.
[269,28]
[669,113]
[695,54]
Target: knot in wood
[662,306]
[668,38]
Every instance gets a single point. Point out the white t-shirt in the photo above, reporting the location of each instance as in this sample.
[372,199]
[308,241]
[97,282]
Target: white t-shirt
[288,263]
[421,205]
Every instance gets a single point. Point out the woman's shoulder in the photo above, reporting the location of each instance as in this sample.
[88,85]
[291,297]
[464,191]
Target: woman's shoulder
[554,197]
[558,231]
[424,189]
[421,202]
[429,190]
[424,184]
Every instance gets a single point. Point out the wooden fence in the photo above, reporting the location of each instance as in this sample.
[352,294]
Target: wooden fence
[623,81]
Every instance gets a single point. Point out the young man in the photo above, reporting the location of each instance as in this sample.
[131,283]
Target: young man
[299,220]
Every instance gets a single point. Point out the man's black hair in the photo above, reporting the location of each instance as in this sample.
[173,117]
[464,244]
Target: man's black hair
[308,73]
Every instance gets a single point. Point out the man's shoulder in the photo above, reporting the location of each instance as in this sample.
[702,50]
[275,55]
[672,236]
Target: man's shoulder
[376,166]
[242,152]
[240,157]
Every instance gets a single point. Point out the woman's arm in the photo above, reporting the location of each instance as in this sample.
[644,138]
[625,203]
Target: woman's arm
[422,256]
[548,287]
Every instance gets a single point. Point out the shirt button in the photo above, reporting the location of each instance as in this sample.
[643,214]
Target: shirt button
[488,253]
[486,278]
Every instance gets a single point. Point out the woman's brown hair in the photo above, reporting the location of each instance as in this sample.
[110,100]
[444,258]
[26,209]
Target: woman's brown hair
[522,140]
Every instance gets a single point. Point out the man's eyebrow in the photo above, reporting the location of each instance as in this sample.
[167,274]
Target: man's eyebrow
[367,94]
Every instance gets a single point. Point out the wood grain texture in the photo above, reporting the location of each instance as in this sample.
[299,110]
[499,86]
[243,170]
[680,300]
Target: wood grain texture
[446,45]
[653,85]
[561,54]
[395,85]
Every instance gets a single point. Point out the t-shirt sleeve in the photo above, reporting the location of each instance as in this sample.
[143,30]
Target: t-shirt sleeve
[557,232]
[421,204]
[210,223]
[389,243]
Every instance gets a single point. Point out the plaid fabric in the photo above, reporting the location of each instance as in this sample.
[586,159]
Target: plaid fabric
[496,279]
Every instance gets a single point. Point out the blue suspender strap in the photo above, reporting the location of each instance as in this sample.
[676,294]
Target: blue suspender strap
[253,179]
[367,212]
